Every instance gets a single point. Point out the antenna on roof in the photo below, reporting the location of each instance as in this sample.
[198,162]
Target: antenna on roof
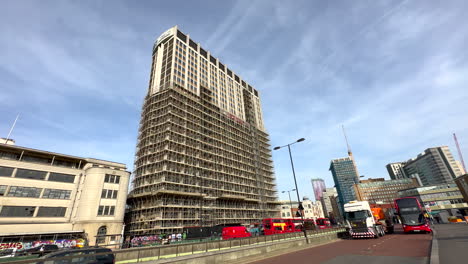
[11,129]
[350,153]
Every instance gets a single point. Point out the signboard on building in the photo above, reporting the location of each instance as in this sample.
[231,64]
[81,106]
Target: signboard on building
[164,36]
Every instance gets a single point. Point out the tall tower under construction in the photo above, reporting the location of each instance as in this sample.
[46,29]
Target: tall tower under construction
[203,156]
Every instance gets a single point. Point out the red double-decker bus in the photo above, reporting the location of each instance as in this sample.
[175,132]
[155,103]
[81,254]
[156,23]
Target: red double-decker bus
[273,226]
[411,213]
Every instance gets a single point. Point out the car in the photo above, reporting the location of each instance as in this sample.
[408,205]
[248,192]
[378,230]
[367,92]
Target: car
[40,250]
[7,253]
[83,256]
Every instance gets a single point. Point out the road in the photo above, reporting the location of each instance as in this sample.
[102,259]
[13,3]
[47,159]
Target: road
[452,240]
[390,249]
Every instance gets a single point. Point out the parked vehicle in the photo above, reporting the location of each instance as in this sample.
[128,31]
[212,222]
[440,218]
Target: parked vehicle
[411,213]
[197,232]
[323,223]
[360,221]
[39,250]
[7,253]
[235,232]
[83,256]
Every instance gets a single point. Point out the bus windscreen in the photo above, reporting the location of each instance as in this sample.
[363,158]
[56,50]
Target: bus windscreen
[409,205]
[410,211]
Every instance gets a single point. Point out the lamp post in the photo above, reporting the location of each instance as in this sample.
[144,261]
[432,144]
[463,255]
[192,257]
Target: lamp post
[290,203]
[300,207]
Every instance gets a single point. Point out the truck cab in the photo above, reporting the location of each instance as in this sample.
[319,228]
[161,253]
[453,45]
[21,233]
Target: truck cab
[360,221]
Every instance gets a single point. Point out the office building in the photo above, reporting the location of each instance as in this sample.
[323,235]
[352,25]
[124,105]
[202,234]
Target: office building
[462,183]
[434,166]
[318,185]
[326,202]
[203,156]
[396,171]
[444,200]
[52,196]
[345,176]
[380,191]
[461,167]
[336,215]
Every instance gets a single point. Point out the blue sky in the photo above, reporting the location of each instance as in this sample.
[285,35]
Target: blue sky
[395,73]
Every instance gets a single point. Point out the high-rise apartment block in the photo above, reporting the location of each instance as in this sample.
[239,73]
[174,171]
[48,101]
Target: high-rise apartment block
[52,197]
[434,166]
[344,175]
[461,167]
[396,171]
[203,155]
[318,185]
[326,202]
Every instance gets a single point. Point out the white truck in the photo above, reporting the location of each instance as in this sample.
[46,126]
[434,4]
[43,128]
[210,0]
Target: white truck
[361,222]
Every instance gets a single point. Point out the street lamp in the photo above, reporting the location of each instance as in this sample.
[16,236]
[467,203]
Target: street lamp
[290,203]
[300,207]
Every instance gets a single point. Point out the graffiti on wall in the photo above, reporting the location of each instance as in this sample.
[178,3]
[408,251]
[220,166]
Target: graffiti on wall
[61,243]
[145,240]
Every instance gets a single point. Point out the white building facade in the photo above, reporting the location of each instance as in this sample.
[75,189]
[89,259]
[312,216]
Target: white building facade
[312,210]
[51,196]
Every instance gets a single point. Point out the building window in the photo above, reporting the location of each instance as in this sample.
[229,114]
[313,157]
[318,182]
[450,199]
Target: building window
[106,210]
[109,194]
[6,171]
[51,211]
[20,191]
[60,177]
[101,235]
[2,190]
[31,174]
[17,211]
[56,194]
[112,178]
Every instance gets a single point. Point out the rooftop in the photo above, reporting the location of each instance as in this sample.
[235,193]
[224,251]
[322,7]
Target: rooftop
[15,148]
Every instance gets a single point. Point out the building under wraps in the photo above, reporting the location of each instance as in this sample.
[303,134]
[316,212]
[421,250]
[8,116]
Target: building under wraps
[203,157]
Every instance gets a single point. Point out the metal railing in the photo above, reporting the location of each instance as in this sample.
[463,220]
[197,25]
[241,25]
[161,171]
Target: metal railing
[142,254]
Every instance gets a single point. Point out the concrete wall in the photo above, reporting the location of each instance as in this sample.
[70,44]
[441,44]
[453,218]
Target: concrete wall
[226,250]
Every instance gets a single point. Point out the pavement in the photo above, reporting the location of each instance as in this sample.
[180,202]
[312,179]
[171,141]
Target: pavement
[390,249]
[450,243]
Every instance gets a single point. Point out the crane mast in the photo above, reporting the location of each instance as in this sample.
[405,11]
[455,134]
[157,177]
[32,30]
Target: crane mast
[459,151]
